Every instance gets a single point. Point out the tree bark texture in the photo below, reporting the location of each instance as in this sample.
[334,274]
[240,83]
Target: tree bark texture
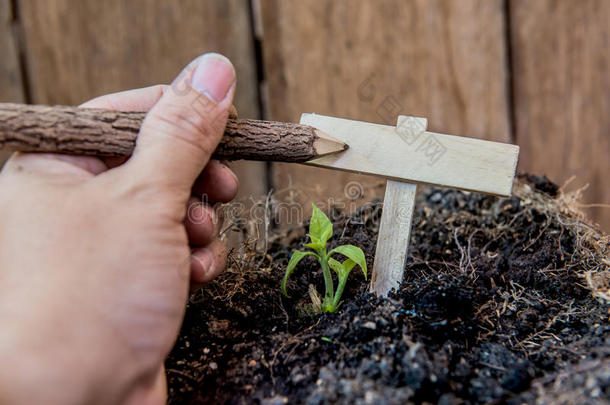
[97,132]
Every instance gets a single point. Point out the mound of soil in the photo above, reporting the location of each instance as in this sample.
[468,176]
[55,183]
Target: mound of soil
[502,302]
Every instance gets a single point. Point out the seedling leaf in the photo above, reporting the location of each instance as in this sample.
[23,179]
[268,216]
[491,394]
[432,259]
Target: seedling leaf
[336,266]
[354,253]
[348,265]
[294,260]
[315,243]
[320,231]
[320,226]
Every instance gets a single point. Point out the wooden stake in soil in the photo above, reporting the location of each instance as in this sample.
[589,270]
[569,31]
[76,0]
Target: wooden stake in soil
[396,220]
[71,130]
[405,155]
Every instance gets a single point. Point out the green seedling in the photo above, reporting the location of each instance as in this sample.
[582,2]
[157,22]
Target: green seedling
[320,231]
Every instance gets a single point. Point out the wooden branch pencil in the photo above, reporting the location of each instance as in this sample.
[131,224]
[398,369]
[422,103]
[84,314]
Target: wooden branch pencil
[97,132]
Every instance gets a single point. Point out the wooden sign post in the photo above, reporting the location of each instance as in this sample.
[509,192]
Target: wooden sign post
[396,219]
[405,155]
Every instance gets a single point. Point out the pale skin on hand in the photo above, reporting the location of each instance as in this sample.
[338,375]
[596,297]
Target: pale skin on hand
[96,256]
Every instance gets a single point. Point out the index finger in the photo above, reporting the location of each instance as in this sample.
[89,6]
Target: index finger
[131,100]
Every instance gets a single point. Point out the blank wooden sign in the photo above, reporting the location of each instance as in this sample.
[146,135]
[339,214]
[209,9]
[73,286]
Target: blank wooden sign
[397,153]
[405,155]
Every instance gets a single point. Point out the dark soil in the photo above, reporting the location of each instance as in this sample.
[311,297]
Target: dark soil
[500,304]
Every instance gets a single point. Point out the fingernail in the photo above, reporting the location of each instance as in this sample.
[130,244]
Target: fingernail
[205,266]
[228,169]
[213,76]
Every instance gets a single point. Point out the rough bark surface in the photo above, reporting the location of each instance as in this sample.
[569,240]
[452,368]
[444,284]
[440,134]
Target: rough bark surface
[71,130]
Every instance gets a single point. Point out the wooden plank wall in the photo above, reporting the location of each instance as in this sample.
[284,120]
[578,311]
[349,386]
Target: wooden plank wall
[365,60]
[561,71]
[508,70]
[76,50]
[11,85]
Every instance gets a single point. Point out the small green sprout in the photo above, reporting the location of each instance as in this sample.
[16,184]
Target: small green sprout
[320,231]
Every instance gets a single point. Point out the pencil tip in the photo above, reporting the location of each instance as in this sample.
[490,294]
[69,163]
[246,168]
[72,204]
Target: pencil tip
[326,144]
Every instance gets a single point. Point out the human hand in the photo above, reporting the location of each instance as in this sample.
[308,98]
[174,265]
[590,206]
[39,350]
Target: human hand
[95,255]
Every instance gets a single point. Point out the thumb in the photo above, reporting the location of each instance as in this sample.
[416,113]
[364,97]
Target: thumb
[183,129]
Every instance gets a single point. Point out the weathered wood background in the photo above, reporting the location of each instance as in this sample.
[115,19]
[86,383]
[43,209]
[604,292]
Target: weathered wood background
[534,73]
